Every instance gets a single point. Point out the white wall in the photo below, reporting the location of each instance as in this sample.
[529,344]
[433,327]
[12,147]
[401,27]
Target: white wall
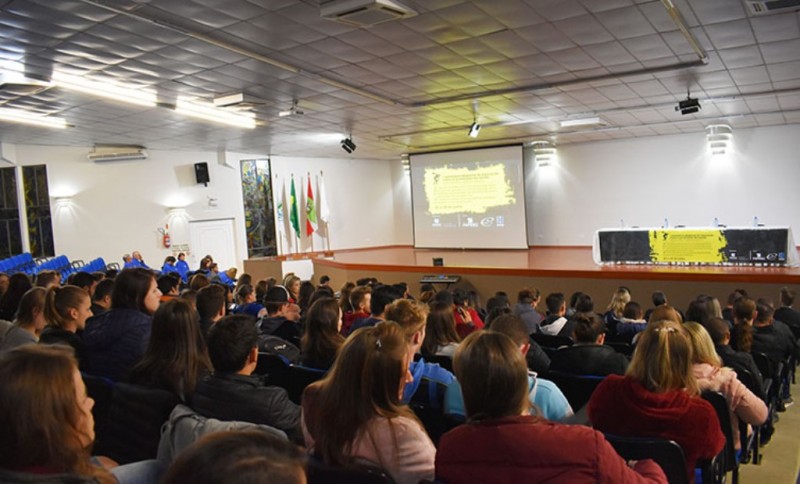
[645,180]
[118,207]
[361,196]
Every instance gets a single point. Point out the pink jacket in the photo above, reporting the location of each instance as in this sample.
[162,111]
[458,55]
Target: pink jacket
[742,403]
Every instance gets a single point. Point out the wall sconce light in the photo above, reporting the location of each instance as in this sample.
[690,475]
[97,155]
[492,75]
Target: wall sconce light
[63,202]
[719,138]
[544,153]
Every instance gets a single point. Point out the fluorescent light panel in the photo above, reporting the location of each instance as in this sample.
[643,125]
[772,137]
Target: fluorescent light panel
[567,123]
[115,92]
[21,116]
[209,113]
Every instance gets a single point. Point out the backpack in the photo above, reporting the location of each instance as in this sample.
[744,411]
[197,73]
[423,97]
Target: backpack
[278,346]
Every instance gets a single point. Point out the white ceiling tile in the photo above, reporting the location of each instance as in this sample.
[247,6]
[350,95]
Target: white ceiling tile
[749,75]
[741,57]
[554,10]
[584,30]
[727,35]
[784,51]
[772,28]
[624,23]
[647,47]
[609,53]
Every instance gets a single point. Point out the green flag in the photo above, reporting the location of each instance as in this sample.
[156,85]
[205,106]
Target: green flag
[293,217]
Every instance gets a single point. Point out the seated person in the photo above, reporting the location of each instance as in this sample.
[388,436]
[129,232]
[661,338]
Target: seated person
[613,314]
[503,442]
[411,316]
[280,318]
[232,392]
[66,310]
[543,394]
[659,397]
[464,313]
[168,285]
[527,300]
[169,266]
[117,339]
[210,303]
[359,299]
[101,300]
[246,302]
[29,323]
[322,340]
[771,337]
[787,314]
[382,296]
[710,375]
[356,414]
[589,356]
[556,323]
[632,321]
[441,338]
[249,455]
[721,337]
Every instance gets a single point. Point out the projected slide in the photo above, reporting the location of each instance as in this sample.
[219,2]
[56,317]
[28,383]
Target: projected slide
[469,199]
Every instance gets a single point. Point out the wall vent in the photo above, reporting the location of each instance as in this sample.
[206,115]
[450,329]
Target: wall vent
[767,7]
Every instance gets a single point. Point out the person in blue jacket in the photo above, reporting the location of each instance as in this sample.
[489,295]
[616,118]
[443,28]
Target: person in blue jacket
[183,267]
[169,266]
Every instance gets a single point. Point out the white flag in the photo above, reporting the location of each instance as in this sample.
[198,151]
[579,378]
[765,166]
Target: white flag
[324,211]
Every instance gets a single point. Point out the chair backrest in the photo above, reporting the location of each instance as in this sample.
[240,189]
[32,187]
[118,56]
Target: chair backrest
[577,388]
[100,389]
[134,422]
[550,341]
[271,366]
[765,365]
[621,347]
[717,400]
[748,380]
[320,473]
[666,453]
[428,405]
[298,378]
[445,362]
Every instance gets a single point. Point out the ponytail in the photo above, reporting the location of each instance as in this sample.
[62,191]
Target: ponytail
[588,327]
[58,302]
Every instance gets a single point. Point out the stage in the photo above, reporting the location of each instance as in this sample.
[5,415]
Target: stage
[551,269]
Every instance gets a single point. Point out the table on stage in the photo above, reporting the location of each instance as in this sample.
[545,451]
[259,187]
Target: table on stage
[751,246]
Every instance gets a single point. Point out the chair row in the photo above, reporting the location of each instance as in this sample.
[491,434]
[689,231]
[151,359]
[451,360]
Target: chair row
[18,263]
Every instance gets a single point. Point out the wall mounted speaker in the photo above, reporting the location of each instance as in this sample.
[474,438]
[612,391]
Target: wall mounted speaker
[438,261]
[201,173]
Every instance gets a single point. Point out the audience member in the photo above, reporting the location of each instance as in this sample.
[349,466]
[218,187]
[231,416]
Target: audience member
[246,302]
[773,338]
[555,323]
[659,299]
[198,281]
[247,456]
[360,300]
[720,335]
[356,414]
[344,297]
[440,331]
[168,286]
[101,301]
[292,284]
[411,316]
[46,417]
[467,318]
[495,307]
[176,356]
[787,314]
[232,392]
[29,323]
[572,306]
[545,397]
[324,281]
[613,314]
[658,397]
[278,321]
[85,280]
[502,442]
[5,281]
[169,266]
[182,267]
[322,340]
[527,299]
[744,313]
[66,310]
[117,339]
[589,356]
[632,321]
[210,306]
[727,313]
[304,295]
[18,284]
[48,279]
[710,375]
[382,296]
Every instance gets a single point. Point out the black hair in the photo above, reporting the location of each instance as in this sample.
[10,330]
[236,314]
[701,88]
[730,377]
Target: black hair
[659,298]
[632,310]
[167,284]
[103,289]
[83,279]
[584,304]
[230,341]
[588,327]
[130,289]
[444,296]
[554,301]
[382,296]
[211,300]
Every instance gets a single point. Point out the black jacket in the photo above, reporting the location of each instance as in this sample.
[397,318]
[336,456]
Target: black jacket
[775,340]
[741,360]
[589,359]
[115,341]
[282,328]
[228,396]
[52,335]
[790,317]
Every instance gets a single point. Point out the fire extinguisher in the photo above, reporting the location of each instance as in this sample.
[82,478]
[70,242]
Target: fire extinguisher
[167,242]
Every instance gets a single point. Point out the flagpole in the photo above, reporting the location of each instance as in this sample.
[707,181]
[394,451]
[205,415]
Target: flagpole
[276,216]
[311,235]
[320,182]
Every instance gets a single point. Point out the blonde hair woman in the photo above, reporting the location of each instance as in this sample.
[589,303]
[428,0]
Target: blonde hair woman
[658,397]
[710,375]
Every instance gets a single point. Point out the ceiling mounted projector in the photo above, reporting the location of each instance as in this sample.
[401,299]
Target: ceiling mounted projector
[365,13]
[689,105]
[348,145]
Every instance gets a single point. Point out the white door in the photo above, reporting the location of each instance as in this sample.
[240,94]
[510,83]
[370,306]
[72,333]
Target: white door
[214,237]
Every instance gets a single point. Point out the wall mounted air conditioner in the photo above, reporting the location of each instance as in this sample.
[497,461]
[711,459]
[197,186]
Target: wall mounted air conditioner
[125,155]
[365,13]
[767,7]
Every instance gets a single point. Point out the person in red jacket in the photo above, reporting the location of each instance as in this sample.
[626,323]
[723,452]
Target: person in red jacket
[658,397]
[516,446]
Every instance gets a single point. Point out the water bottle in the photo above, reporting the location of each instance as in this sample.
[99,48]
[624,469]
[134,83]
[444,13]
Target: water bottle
[755,221]
[666,223]
[716,222]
